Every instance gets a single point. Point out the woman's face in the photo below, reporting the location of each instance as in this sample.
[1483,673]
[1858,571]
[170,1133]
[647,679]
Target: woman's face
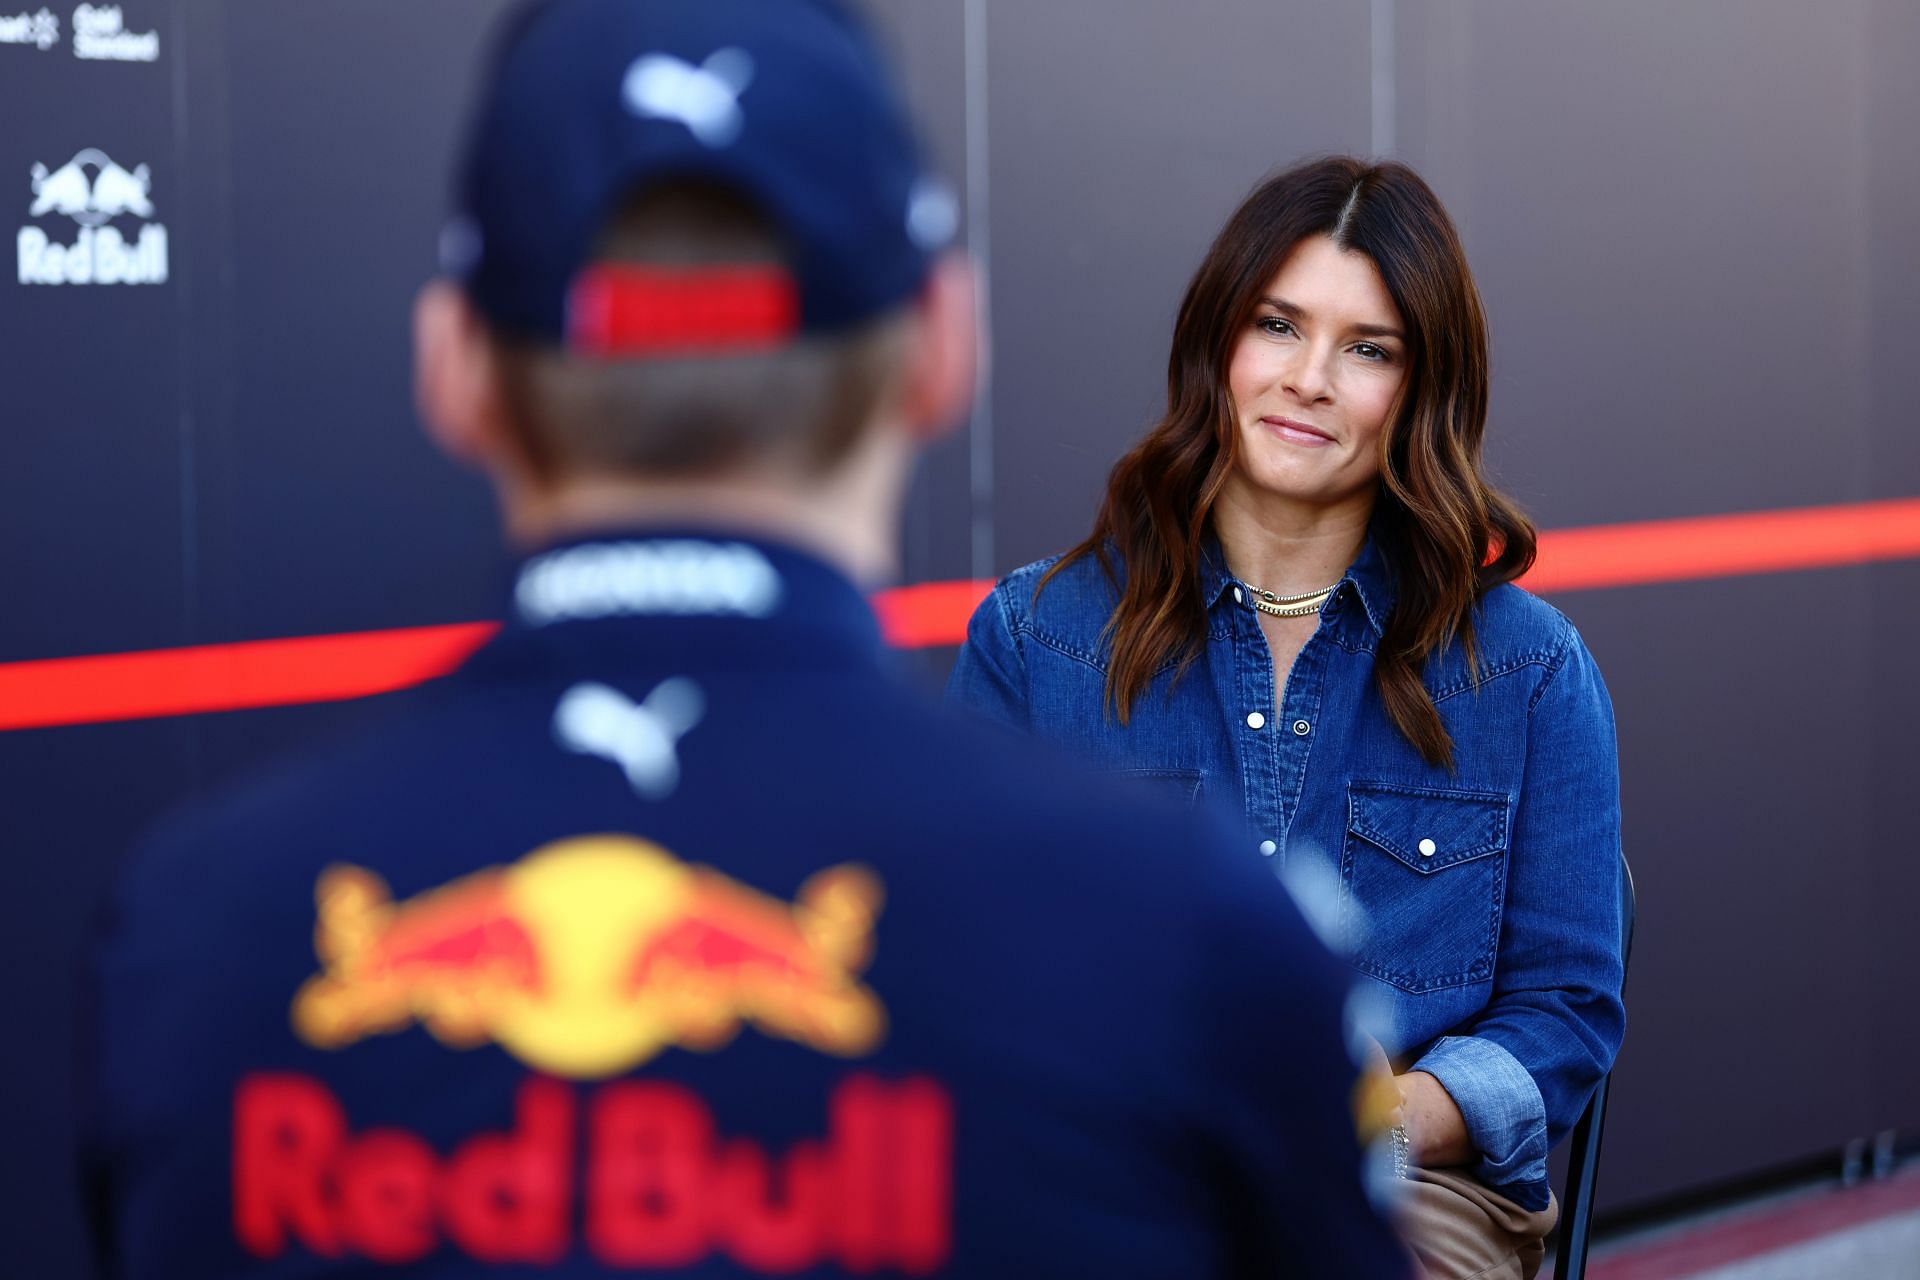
[1315,378]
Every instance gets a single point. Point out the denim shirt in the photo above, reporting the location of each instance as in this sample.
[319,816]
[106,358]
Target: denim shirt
[1480,905]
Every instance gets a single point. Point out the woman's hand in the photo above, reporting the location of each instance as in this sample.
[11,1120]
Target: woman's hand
[1436,1132]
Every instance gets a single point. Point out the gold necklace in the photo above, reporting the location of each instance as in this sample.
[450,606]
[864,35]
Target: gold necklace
[1291,606]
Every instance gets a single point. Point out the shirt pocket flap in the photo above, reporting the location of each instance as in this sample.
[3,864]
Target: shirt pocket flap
[1426,828]
[1178,784]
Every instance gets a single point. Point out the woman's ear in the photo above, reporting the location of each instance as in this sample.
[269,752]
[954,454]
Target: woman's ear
[944,363]
[455,387]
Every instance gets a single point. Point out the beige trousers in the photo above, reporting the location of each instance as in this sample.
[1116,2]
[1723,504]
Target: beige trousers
[1459,1230]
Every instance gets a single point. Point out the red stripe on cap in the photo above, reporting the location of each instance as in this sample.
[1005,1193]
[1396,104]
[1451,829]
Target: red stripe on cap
[619,310]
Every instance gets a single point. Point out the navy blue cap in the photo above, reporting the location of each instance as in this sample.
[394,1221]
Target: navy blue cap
[589,102]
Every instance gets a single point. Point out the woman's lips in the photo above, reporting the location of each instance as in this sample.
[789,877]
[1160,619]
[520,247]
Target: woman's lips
[1297,432]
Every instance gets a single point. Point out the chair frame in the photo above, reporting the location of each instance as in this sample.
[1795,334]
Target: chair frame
[1583,1150]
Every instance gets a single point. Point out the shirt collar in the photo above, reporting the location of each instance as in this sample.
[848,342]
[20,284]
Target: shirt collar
[1215,580]
[706,596]
[1372,579]
[1370,576]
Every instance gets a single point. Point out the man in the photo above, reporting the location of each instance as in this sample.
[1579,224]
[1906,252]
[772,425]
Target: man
[670,932]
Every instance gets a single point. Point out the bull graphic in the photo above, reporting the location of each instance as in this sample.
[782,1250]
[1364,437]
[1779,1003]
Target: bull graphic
[91,201]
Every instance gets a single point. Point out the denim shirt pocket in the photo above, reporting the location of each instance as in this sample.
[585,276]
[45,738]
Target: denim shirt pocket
[1423,878]
[1182,785]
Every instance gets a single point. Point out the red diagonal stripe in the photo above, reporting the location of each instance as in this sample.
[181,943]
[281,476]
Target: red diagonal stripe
[929,614]
[228,677]
[1726,546]
[265,673]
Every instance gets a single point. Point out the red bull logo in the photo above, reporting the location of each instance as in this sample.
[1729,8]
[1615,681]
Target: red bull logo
[92,190]
[590,956]
[654,1187]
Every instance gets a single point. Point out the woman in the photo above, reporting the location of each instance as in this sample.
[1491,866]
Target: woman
[1297,600]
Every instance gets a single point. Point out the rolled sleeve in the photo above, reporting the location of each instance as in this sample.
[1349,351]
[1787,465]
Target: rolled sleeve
[1505,1115]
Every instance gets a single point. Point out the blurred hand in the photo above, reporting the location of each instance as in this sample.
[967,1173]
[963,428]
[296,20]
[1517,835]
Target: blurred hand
[1377,1101]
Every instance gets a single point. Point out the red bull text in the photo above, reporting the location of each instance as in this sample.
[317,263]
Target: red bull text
[98,255]
[652,1186]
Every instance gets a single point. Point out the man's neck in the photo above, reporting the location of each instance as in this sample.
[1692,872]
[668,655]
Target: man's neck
[848,519]
[1288,548]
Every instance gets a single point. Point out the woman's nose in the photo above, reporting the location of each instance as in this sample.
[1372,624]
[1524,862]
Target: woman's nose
[1307,377]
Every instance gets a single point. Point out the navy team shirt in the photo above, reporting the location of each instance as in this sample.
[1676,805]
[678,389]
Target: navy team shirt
[672,933]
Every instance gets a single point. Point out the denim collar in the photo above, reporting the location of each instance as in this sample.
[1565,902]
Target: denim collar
[1369,577]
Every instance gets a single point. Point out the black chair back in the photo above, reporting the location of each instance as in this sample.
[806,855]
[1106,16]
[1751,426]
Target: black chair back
[1583,1148]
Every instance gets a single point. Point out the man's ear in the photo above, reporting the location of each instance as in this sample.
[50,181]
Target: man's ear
[454,383]
[944,362]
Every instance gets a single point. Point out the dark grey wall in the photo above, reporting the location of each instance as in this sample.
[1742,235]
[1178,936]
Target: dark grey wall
[1694,226]
[1892,596]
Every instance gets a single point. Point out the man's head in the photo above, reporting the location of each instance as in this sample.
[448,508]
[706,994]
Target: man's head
[695,242]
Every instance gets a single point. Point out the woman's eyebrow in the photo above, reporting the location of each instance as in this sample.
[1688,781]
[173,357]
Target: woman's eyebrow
[1364,330]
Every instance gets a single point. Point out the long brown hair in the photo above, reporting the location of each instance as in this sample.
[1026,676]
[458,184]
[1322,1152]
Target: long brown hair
[1447,533]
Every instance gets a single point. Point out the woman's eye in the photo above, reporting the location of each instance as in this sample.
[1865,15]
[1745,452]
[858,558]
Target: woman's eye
[1368,351]
[1275,325]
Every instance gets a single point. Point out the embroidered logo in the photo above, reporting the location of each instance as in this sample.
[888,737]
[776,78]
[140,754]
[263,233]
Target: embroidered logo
[640,738]
[705,98]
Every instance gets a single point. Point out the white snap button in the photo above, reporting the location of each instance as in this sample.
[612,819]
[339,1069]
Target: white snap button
[1302,728]
[1428,848]
[1256,720]
[1269,848]
[1239,596]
